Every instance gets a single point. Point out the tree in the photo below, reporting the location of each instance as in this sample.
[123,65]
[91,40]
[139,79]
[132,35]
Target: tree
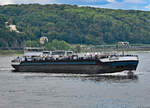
[30,43]
[73,24]
[58,45]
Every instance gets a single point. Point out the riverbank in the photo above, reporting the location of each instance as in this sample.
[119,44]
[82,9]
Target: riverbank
[11,52]
[90,48]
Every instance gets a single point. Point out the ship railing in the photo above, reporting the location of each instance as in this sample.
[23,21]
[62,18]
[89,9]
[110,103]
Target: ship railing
[74,57]
[17,60]
[59,58]
[124,55]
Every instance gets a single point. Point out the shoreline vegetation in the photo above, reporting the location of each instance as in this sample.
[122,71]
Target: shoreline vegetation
[71,24]
[87,48]
[11,52]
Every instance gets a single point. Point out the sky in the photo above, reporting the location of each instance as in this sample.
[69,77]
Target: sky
[112,4]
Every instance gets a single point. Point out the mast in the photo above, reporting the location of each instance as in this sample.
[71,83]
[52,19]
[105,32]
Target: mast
[123,46]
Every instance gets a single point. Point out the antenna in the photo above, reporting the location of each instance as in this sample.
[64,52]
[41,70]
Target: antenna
[123,46]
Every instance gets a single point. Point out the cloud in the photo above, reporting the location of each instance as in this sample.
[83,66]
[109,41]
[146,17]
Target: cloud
[111,0]
[114,4]
[133,1]
[127,4]
[5,2]
[89,0]
[77,2]
[83,2]
[148,7]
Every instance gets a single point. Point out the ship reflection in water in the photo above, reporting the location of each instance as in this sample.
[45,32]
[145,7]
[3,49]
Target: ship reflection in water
[112,78]
[120,78]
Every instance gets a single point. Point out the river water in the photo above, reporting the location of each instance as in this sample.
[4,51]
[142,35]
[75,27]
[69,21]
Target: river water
[41,90]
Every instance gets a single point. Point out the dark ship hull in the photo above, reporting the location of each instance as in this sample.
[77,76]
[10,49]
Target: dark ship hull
[76,66]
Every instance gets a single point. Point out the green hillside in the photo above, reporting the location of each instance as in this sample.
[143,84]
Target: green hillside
[73,24]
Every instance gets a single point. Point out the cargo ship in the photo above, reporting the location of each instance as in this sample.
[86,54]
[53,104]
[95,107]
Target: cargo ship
[69,62]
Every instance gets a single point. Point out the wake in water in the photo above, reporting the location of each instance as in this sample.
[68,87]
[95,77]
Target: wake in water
[117,77]
[6,68]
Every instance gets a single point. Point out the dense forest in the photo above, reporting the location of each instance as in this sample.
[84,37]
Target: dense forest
[72,24]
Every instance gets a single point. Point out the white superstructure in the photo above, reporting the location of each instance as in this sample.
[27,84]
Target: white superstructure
[33,51]
[113,58]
